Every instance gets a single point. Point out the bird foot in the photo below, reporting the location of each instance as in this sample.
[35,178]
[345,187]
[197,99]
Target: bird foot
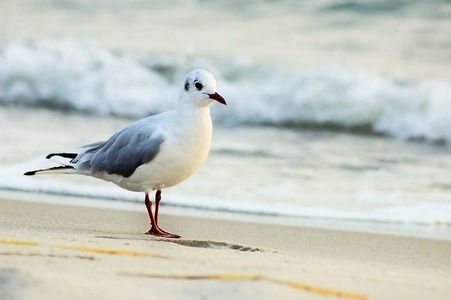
[157,231]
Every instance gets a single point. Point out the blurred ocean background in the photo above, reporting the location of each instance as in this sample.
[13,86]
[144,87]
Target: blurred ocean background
[337,110]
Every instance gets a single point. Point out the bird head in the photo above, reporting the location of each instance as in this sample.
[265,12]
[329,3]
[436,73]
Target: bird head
[199,88]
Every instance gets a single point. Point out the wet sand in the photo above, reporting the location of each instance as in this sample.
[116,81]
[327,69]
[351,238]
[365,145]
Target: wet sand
[51,251]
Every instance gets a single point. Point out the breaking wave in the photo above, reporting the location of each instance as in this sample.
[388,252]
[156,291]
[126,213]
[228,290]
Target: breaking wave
[82,76]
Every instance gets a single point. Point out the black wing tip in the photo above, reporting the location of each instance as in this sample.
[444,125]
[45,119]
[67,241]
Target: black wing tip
[65,155]
[31,173]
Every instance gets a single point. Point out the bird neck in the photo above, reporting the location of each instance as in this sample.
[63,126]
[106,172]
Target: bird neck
[185,108]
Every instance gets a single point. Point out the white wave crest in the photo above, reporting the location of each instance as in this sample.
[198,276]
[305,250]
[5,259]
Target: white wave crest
[80,75]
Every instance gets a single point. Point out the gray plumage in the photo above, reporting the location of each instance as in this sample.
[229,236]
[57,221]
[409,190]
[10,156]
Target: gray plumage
[124,152]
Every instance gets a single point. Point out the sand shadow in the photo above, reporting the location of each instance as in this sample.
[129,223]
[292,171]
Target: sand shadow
[192,243]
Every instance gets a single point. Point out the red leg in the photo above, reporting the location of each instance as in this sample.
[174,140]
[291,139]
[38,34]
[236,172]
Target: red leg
[157,205]
[154,228]
[148,204]
[157,208]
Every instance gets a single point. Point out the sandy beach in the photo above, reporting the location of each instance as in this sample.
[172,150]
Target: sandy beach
[328,172]
[51,251]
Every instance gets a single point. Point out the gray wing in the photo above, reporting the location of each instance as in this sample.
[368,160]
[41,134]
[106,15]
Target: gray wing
[124,152]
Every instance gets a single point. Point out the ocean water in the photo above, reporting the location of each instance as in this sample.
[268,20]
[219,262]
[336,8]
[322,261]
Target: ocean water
[337,110]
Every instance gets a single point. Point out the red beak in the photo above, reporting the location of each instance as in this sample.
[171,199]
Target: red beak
[218,98]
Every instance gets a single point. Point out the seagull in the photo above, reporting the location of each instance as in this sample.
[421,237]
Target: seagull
[153,153]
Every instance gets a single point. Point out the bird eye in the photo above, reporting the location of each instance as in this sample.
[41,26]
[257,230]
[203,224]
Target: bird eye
[198,85]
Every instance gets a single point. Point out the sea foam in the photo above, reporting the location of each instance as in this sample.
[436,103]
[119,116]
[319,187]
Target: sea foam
[82,76]
[429,214]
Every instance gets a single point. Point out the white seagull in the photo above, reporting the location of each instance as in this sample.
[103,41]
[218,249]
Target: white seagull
[153,153]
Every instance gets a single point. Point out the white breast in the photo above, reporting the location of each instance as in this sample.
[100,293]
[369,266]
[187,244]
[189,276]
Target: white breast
[186,146]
